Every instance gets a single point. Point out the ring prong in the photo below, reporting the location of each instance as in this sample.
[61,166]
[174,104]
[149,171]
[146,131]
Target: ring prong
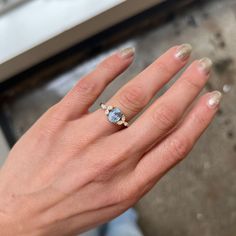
[120,122]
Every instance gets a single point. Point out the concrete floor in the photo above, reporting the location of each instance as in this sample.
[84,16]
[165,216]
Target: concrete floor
[198,197]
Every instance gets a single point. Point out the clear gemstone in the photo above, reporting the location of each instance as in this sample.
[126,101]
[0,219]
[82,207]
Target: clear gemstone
[115,115]
[120,122]
[103,106]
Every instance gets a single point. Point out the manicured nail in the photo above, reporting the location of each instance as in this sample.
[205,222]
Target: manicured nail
[183,51]
[205,65]
[214,99]
[127,52]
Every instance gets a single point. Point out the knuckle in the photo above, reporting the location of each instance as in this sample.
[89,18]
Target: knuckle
[107,65]
[164,117]
[179,146]
[162,68]
[126,196]
[53,109]
[131,199]
[199,120]
[51,121]
[54,113]
[86,87]
[133,98]
[193,84]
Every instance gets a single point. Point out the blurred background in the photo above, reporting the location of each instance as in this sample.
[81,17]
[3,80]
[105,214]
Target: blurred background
[46,46]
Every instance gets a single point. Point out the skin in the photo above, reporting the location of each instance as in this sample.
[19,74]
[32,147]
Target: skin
[74,170]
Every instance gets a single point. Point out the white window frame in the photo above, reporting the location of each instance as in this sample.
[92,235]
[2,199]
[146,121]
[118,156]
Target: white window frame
[26,41]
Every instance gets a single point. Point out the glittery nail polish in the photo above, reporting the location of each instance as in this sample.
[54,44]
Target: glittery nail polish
[214,99]
[205,65]
[183,51]
[126,53]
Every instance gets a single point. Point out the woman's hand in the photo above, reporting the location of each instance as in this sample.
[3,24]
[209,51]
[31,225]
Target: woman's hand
[74,170]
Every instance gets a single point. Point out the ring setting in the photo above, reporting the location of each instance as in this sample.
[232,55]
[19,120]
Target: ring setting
[114,115]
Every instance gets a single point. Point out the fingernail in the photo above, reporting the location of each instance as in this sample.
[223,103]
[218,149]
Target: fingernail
[205,65]
[126,53]
[214,99]
[183,51]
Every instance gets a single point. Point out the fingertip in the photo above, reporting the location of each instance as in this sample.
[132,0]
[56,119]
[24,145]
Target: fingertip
[183,52]
[205,65]
[126,53]
[208,105]
[177,56]
[119,60]
[199,70]
[214,99]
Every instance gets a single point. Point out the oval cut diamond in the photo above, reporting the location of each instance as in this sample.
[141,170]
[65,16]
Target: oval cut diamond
[115,115]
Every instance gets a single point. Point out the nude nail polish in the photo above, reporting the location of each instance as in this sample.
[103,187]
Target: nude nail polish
[126,53]
[183,51]
[214,99]
[205,65]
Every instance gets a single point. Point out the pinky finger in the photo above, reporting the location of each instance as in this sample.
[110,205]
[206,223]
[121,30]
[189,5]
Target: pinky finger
[87,90]
[179,143]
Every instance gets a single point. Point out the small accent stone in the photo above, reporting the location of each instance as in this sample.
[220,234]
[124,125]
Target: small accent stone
[120,122]
[115,115]
[103,106]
